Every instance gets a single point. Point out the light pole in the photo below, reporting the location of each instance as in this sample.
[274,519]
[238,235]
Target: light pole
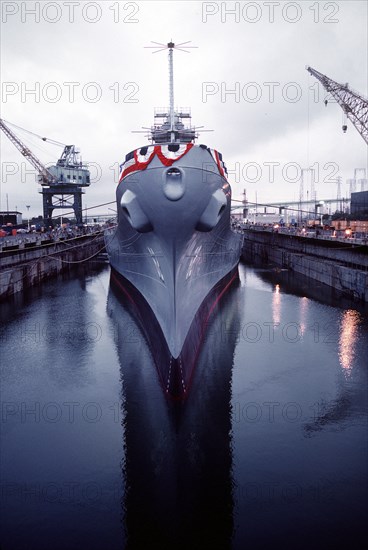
[28,206]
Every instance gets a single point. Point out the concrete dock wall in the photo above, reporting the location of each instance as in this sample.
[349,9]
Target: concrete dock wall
[21,269]
[336,264]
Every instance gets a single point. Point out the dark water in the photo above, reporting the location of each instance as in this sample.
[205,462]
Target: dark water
[269,450]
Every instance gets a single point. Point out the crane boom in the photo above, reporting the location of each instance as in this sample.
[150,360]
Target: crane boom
[354,105]
[45,175]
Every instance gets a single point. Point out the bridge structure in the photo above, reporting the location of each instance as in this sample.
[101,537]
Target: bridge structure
[294,208]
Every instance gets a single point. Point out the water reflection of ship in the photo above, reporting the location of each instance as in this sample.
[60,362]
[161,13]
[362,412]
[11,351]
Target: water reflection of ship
[178,456]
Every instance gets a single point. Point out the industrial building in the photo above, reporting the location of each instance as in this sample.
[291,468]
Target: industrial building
[11,216]
[359,204]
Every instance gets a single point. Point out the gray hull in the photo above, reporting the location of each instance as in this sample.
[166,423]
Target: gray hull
[173,241]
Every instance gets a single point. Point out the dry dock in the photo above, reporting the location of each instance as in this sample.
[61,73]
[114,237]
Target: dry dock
[342,265]
[28,265]
[338,264]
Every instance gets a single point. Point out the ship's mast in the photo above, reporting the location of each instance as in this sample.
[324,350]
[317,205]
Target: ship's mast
[171,46]
[172,129]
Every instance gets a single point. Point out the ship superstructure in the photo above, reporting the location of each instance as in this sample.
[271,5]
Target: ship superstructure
[173,252]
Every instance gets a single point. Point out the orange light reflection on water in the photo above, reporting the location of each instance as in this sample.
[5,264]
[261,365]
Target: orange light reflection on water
[276,305]
[304,302]
[349,331]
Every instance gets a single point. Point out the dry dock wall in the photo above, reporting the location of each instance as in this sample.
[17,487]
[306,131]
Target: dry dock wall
[337,264]
[23,268]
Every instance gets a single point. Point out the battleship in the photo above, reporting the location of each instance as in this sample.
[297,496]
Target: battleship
[173,253]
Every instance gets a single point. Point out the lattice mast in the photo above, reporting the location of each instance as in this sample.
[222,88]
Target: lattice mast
[171,45]
[353,104]
[338,193]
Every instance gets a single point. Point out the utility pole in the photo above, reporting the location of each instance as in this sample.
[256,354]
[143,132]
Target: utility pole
[28,206]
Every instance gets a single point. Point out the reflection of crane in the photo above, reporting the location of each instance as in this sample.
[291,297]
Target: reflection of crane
[60,182]
[353,104]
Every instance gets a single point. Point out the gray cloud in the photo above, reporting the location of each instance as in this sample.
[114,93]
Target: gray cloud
[107,58]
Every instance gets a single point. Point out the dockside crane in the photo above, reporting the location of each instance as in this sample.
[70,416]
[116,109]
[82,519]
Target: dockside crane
[61,182]
[354,105]
[45,177]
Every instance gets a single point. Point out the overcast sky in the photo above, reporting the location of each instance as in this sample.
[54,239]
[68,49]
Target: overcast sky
[94,82]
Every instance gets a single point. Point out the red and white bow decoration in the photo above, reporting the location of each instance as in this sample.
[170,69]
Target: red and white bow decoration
[140,162]
[217,157]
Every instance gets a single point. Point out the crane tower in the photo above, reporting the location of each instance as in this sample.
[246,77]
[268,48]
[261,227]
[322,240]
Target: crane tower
[62,183]
[354,105]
